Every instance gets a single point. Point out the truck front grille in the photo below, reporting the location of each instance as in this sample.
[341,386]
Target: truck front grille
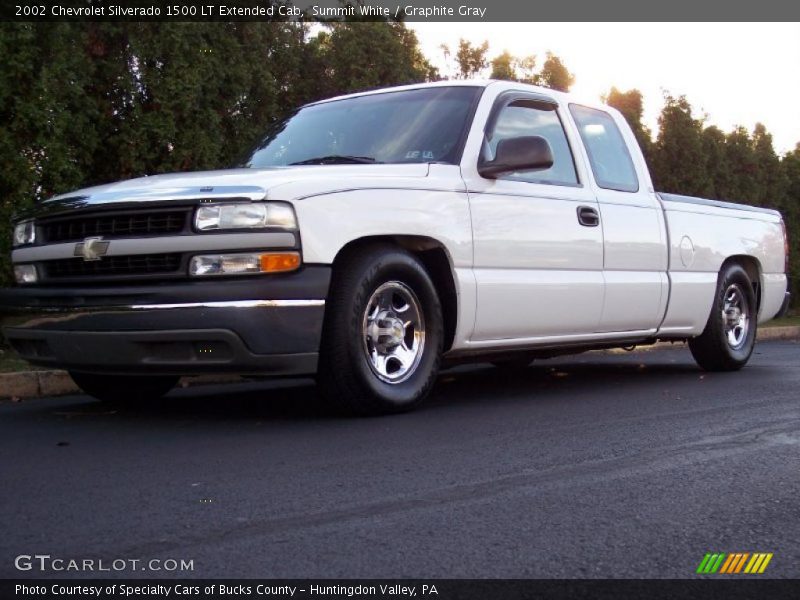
[110,266]
[156,222]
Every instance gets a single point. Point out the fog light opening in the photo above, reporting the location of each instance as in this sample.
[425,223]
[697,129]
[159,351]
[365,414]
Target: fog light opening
[26,273]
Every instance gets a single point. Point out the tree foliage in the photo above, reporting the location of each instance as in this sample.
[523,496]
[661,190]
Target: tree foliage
[363,55]
[471,59]
[553,74]
[679,142]
[790,166]
[503,67]
[512,68]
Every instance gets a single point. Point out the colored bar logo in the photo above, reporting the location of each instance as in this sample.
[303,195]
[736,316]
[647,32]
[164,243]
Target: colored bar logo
[732,563]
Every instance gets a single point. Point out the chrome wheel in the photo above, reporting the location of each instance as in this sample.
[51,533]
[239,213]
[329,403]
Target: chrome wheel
[735,319]
[393,332]
[730,333]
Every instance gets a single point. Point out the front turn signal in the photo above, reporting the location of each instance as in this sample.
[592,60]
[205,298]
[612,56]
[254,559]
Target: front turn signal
[251,263]
[280,262]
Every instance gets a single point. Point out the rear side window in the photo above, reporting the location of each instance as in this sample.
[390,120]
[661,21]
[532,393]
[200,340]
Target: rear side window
[529,117]
[608,153]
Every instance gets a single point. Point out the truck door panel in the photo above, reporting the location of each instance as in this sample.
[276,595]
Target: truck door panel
[538,270]
[634,238]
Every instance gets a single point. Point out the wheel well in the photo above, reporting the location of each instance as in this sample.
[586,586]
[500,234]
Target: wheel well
[753,269]
[436,260]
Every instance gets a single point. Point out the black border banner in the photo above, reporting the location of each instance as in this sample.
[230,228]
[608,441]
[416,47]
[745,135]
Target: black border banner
[436,589]
[405,10]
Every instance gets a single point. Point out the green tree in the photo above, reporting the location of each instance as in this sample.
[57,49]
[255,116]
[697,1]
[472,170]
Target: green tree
[743,166]
[49,131]
[718,172]
[771,179]
[790,165]
[503,67]
[353,56]
[471,59]
[526,69]
[678,160]
[507,67]
[200,92]
[555,75]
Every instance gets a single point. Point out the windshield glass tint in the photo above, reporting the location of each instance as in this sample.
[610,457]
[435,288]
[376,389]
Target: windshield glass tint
[414,126]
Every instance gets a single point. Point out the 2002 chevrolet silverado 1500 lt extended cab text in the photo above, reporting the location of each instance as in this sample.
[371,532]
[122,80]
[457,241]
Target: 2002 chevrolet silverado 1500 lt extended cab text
[369,237]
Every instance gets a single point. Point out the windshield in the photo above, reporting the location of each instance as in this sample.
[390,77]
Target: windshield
[413,126]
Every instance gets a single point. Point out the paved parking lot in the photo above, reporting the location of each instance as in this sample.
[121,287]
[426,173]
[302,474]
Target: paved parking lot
[598,465]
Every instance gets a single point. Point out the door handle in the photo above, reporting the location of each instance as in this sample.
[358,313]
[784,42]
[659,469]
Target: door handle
[588,216]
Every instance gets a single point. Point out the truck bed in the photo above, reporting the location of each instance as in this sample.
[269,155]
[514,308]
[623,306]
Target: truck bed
[715,203]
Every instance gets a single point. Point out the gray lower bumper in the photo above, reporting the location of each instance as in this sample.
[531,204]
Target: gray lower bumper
[279,337]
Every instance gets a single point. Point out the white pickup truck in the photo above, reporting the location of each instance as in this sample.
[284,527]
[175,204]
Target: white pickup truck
[371,237]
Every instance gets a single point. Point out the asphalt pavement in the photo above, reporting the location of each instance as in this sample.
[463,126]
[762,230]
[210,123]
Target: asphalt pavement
[596,465]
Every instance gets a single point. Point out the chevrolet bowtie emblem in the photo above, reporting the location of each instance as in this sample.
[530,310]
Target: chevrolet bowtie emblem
[91,248]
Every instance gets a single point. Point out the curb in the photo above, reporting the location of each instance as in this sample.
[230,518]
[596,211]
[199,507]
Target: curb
[34,384]
[790,332]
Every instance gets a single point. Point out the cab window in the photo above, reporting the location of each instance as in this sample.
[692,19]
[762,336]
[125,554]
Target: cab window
[526,117]
[608,153]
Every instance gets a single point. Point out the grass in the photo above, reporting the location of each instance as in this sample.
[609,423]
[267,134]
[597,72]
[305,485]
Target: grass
[784,322]
[10,362]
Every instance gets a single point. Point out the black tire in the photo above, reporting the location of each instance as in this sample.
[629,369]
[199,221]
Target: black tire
[723,346]
[124,389]
[348,377]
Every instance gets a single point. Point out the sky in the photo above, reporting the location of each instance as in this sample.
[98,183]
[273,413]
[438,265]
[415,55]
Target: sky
[736,73]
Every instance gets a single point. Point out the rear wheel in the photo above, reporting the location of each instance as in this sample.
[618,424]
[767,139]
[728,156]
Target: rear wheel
[729,337]
[124,388]
[383,333]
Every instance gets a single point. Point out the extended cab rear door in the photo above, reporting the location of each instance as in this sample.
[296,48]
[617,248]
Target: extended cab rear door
[537,261]
[634,234]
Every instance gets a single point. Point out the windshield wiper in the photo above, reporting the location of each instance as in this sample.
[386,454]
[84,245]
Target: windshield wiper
[336,159]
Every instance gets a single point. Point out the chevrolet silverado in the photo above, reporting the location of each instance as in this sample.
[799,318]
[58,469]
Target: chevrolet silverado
[369,239]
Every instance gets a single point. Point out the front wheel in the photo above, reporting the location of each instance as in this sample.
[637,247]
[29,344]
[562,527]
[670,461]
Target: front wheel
[383,333]
[124,389]
[730,334]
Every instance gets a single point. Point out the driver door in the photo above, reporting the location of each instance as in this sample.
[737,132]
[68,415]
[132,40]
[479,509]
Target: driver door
[537,237]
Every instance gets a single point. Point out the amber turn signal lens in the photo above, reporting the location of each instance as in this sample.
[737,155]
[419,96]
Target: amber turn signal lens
[280,262]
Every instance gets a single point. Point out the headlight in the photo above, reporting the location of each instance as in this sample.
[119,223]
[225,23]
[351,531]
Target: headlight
[243,264]
[25,274]
[24,233]
[256,215]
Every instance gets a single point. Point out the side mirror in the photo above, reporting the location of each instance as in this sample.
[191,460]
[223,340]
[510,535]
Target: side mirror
[524,153]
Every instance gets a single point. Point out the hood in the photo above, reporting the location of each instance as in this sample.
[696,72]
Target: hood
[252,184]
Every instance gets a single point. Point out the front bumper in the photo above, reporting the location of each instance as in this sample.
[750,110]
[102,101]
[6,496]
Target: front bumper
[269,324]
